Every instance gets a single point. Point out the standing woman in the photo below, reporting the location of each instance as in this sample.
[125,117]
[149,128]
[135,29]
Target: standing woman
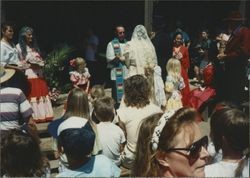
[9,55]
[140,58]
[38,97]
[180,52]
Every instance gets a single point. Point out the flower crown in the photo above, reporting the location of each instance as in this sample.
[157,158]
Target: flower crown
[72,62]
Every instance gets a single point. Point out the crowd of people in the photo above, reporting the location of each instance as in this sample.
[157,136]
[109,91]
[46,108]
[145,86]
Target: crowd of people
[149,125]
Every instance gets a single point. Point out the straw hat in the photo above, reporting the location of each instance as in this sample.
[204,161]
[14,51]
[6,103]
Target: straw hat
[5,74]
[234,16]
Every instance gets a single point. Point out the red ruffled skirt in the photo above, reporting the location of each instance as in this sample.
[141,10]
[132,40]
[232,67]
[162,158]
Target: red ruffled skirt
[39,100]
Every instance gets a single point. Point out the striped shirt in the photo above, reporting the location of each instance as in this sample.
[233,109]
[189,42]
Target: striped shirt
[13,107]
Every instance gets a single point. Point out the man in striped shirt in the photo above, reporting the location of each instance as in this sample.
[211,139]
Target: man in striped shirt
[15,110]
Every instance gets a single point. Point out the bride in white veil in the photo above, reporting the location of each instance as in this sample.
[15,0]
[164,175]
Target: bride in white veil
[140,58]
[139,52]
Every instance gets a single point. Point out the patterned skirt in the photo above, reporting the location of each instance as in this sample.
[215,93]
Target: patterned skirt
[39,100]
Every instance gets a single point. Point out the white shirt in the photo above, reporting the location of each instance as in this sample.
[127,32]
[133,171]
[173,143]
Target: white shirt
[132,118]
[9,54]
[225,169]
[110,55]
[111,137]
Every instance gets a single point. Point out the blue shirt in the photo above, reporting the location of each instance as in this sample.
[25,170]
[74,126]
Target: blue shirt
[97,166]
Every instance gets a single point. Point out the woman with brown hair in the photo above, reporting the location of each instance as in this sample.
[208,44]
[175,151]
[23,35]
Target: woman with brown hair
[171,145]
[137,108]
[233,140]
[21,156]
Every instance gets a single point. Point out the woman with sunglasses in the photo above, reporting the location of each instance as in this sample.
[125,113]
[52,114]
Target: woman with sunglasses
[171,145]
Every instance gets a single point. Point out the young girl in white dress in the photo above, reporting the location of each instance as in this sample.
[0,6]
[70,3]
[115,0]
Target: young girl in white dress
[173,85]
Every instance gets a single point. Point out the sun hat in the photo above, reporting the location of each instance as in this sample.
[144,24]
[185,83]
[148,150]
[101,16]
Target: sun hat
[5,74]
[234,16]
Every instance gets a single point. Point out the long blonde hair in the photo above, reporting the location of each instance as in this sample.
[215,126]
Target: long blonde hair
[174,68]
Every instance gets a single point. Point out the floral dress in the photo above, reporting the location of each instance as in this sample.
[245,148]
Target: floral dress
[173,88]
[80,80]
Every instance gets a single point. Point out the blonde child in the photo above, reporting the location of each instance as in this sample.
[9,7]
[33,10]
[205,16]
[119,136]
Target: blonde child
[173,85]
[80,76]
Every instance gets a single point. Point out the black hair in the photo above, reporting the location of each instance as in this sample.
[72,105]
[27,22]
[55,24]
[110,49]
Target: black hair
[77,143]
[5,25]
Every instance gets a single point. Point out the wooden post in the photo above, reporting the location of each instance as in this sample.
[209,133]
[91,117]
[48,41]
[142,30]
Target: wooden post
[242,8]
[148,14]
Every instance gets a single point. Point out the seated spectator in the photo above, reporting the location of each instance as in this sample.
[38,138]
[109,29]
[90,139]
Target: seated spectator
[21,156]
[77,108]
[233,139]
[171,145]
[76,140]
[97,91]
[16,111]
[111,136]
[137,108]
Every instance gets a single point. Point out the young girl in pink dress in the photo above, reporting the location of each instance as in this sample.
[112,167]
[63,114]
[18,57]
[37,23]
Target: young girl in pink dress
[39,93]
[80,76]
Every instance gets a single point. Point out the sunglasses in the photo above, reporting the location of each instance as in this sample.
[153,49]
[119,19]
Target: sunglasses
[194,149]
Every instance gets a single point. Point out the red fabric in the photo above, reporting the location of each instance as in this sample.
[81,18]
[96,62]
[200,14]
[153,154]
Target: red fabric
[197,97]
[185,64]
[239,44]
[186,90]
[38,88]
[185,61]
[208,74]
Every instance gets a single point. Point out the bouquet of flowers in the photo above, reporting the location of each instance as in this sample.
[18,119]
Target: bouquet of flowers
[34,58]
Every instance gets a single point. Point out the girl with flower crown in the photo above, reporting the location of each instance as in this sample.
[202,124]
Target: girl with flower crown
[39,92]
[80,76]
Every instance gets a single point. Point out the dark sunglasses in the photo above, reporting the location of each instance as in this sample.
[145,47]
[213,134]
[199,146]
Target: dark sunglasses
[194,149]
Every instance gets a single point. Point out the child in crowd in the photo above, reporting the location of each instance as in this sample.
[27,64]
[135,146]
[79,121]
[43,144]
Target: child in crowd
[80,76]
[233,139]
[97,91]
[21,156]
[77,108]
[174,84]
[111,136]
[76,140]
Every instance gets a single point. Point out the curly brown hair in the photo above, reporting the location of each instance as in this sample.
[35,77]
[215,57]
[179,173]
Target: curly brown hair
[136,91]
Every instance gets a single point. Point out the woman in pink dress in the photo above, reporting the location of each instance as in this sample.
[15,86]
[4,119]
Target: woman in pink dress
[38,97]
[180,52]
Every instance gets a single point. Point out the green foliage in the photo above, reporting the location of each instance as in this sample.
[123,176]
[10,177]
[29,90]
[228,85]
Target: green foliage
[54,70]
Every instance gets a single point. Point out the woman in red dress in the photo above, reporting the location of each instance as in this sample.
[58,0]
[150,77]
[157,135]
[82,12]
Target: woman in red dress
[39,92]
[180,52]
